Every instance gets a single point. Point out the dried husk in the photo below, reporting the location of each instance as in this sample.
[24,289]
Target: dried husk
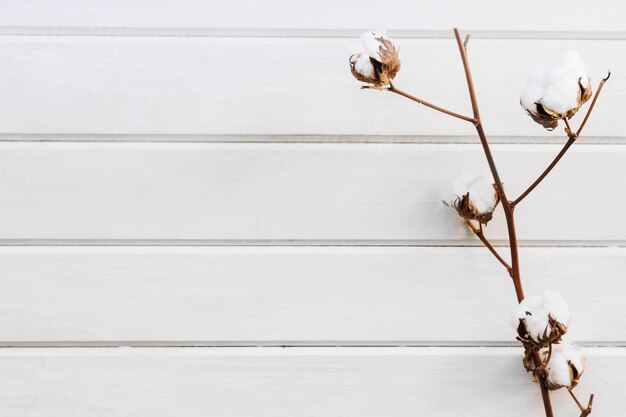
[464,207]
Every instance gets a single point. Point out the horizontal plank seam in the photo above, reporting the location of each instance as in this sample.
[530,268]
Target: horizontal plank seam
[296,33]
[282,138]
[245,344]
[304,243]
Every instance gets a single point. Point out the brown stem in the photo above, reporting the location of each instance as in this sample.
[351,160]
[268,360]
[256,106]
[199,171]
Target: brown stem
[479,233]
[506,206]
[392,88]
[572,138]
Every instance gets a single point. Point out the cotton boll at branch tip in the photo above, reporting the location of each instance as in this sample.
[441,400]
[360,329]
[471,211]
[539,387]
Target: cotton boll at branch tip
[382,55]
[474,197]
[556,92]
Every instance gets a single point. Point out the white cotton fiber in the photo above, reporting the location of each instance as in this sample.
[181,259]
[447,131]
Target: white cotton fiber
[555,305]
[363,64]
[371,45]
[537,319]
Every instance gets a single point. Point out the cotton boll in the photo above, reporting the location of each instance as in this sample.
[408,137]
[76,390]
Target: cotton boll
[383,65]
[481,191]
[546,318]
[566,365]
[556,92]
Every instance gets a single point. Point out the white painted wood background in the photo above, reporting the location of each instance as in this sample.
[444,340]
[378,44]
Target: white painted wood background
[201,213]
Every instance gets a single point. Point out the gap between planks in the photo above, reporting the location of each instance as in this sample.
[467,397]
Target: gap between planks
[548,139]
[297,33]
[282,344]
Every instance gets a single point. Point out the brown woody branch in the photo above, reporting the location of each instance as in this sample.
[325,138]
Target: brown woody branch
[507,207]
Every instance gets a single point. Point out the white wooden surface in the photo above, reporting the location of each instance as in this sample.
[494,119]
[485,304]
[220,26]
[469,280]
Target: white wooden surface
[294,381]
[426,15]
[172,85]
[159,187]
[339,193]
[302,295]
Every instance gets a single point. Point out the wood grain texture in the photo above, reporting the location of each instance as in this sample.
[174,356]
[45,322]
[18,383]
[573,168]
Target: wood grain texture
[295,295]
[260,382]
[368,193]
[139,85]
[532,15]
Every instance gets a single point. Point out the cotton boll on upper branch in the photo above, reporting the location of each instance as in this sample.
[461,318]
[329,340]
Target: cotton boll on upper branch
[556,92]
[474,197]
[376,62]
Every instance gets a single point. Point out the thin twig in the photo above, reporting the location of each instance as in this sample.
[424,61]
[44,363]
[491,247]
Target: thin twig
[392,88]
[585,411]
[479,233]
[572,138]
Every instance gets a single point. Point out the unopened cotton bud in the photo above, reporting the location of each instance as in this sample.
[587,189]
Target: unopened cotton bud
[475,197]
[556,92]
[566,365]
[376,62]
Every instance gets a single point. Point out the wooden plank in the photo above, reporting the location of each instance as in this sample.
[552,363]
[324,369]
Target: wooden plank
[323,14]
[126,85]
[297,381]
[295,295]
[308,193]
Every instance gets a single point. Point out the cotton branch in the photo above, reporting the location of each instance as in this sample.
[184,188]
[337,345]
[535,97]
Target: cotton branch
[377,63]
[572,136]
